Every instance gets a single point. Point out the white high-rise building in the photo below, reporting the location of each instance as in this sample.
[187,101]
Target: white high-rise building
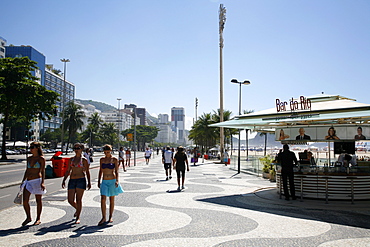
[178,122]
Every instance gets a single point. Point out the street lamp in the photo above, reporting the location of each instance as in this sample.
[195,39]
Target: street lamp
[65,61]
[119,120]
[240,111]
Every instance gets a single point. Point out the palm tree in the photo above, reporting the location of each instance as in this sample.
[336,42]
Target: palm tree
[108,133]
[202,134]
[95,122]
[228,133]
[72,120]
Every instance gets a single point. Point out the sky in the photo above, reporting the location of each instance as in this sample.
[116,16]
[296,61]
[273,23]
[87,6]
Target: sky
[160,54]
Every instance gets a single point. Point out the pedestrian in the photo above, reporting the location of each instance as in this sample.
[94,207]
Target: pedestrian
[286,159]
[147,155]
[195,155]
[167,160]
[87,155]
[179,164]
[110,186]
[78,171]
[157,150]
[226,157]
[33,182]
[128,157]
[121,159]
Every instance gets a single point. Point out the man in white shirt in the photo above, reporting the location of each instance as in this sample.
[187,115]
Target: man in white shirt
[167,160]
[147,155]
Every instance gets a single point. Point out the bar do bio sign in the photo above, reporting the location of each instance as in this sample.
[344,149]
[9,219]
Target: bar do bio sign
[293,105]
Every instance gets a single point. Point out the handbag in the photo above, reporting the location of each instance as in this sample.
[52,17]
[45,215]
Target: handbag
[19,197]
[91,159]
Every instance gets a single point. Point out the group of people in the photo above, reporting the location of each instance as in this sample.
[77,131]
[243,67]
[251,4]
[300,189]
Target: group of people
[79,180]
[121,158]
[179,162]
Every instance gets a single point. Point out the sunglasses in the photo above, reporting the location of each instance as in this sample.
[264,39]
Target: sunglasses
[76,148]
[31,147]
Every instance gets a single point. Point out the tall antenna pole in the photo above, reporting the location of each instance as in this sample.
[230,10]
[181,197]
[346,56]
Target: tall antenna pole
[222,20]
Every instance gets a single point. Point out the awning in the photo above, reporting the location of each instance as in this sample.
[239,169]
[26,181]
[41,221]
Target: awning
[324,111]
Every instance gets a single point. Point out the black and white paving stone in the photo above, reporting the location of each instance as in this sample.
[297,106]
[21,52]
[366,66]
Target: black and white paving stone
[217,208]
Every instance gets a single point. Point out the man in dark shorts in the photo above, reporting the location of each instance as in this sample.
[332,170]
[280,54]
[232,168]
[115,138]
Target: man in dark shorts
[179,164]
[167,159]
[286,159]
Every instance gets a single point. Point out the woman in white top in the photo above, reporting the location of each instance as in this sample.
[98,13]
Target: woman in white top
[121,159]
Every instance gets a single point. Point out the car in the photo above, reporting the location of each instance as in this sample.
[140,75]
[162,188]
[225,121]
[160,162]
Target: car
[8,151]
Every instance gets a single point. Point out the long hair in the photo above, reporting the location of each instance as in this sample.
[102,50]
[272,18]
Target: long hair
[38,146]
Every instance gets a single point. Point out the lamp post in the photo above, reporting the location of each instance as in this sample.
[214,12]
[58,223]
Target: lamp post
[65,61]
[119,120]
[240,111]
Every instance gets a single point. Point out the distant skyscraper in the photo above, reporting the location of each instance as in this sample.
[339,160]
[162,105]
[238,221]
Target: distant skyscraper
[178,121]
[140,113]
[163,118]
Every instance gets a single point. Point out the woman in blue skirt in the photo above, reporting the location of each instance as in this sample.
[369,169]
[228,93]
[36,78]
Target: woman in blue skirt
[110,186]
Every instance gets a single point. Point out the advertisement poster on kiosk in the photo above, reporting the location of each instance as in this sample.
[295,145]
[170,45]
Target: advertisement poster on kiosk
[323,133]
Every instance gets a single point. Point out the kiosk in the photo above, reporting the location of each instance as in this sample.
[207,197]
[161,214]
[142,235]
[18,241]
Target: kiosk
[336,120]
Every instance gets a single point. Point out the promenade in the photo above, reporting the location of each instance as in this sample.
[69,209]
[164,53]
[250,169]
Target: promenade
[217,208]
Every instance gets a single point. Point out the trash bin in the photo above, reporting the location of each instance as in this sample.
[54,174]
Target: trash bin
[59,167]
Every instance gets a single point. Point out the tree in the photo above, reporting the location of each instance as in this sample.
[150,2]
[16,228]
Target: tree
[21,96]
[52,136]
[228,132]
[108,133]
[72,116]
[202,134]
[144,134]
[95,122]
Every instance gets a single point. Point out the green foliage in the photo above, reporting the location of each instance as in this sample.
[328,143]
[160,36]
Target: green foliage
[108,133]
[22,98]
[144,134]
[266,162]
[73,115]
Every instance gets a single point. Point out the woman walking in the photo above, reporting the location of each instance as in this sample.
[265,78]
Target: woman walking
[78,170]
[179,164]
[121,159]
[110,186]
[33,182]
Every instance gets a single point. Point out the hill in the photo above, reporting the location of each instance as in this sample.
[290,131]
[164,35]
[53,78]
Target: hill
[98,105]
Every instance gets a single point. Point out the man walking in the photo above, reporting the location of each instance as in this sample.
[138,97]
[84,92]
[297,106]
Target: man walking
[167,160]
[147,155]
[286,159]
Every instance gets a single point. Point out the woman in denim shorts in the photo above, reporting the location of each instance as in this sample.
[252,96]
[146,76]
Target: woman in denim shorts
[78,170]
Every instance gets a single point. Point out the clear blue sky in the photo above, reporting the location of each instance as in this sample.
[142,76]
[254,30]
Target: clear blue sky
[164,53]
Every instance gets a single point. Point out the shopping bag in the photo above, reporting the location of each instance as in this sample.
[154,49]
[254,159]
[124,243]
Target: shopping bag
[19,197]
[194,160]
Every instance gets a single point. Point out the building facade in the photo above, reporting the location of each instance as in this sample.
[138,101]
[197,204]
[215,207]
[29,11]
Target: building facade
[51,81]
[178,123]
[2,47]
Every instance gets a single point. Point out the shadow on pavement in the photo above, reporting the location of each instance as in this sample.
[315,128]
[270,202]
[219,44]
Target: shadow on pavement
[341,217]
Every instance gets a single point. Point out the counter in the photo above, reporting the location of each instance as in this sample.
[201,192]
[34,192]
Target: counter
[329,183]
